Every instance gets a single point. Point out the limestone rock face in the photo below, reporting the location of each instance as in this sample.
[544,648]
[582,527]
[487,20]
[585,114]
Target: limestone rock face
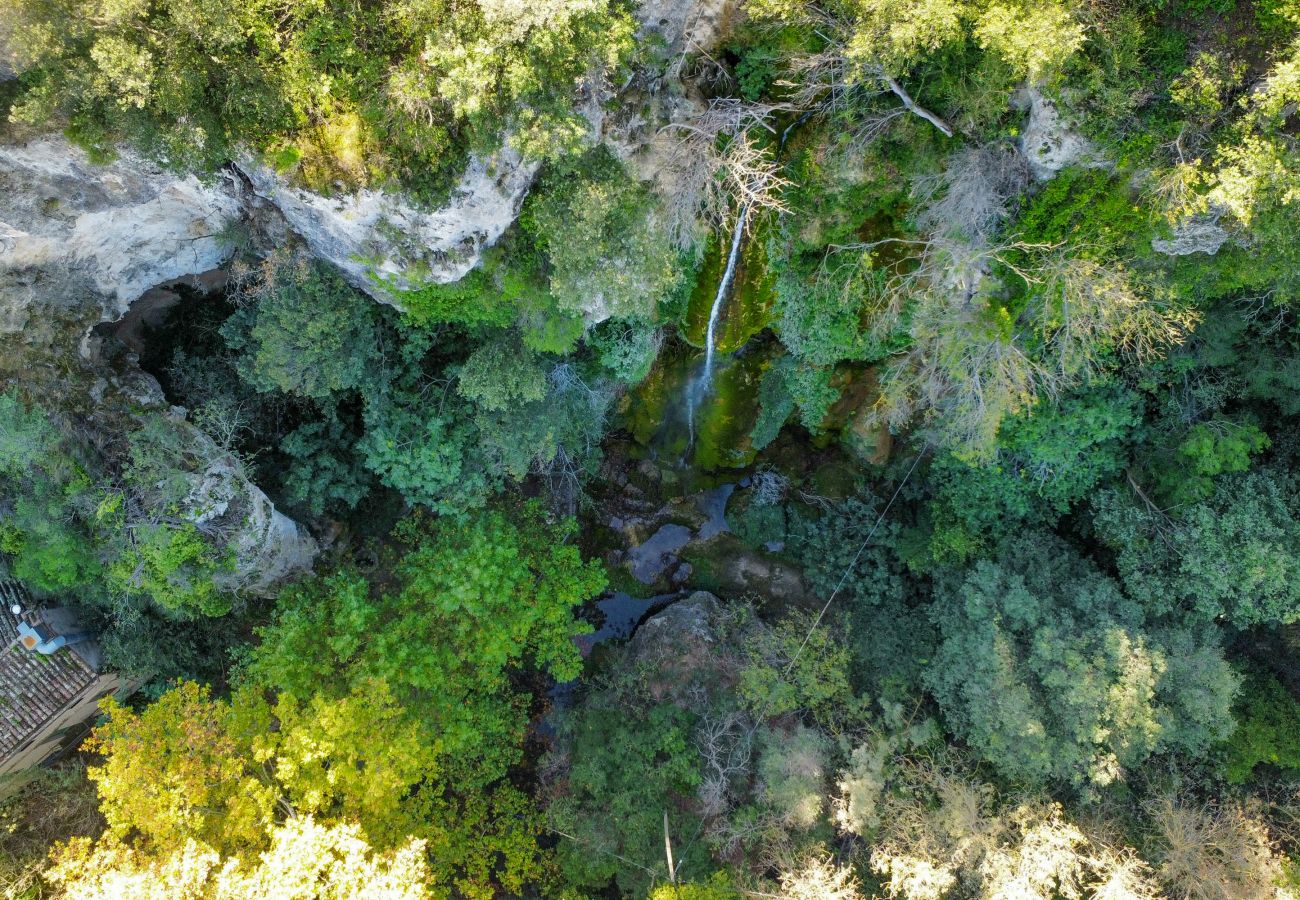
[685,25]
[376,237]
[269,547]
[69,228]
[1198,234]
[1048,142]
[79,244]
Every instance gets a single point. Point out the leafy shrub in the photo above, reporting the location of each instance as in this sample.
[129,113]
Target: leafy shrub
[1268,728]
[309,333]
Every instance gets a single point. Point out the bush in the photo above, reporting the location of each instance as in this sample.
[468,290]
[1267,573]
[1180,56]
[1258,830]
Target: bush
[1268,729]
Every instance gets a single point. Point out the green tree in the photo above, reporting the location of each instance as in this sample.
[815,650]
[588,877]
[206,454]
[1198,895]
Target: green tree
[500,375]
[182,770]
[1048,458]
[309,333]
[628,767]
[333,92]
[1268,728]
[230,776]
[326,471]
[430,457]
[607,250]
[473,602]
[47,501]
[1053,674]
[1231,556]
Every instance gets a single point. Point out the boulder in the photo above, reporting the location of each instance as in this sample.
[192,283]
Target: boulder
[1048,142]
[1197,234]
[269,547]
[678,650]
[689,621]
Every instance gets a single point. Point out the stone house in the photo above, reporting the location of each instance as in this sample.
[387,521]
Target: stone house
[51,681]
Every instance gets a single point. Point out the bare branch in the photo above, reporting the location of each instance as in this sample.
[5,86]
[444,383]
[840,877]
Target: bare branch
[713,166]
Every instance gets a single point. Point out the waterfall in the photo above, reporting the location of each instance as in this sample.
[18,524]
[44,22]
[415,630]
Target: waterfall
[737,240]
[698,389]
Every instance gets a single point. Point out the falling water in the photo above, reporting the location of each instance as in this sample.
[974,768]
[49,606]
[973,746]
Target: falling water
[699,387]
[723,287]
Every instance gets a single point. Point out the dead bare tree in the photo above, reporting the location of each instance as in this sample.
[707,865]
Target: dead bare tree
[1213,851]
[725,742]
[973,195]
[714,165]
[962,375]
[831,80]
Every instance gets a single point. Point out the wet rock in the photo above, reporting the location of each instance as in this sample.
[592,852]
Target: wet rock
[649,471]
[682,574]
[739,570]
[754,573]
[713,504]
[621,614]
[649,560]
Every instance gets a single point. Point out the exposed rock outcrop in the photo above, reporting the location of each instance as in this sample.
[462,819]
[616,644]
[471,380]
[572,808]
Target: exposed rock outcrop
[685,25]
[380,239]
[68,226]
[688,622]
[70,229]
[680,648]
[268,547]
[79,244]
[1048,142]
[1198,234]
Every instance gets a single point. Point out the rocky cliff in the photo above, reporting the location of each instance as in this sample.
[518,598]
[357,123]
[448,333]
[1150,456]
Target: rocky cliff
[73,232]
[79,244]
[380,239]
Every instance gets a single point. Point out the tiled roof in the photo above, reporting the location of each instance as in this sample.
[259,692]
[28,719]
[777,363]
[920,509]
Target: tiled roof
[33,687]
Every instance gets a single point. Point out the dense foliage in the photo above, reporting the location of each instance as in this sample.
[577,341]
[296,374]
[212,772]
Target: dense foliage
[337,92]
[1000,412]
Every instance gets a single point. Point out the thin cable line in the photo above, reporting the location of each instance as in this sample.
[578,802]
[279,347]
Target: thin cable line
[843,578]
[758,720]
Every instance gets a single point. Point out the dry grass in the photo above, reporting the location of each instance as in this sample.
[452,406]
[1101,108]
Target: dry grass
[1213,851]
[53,805]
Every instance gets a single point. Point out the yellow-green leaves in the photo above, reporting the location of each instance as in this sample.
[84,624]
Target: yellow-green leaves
[1034,38]
[306,861]
[179,771]
[896,34]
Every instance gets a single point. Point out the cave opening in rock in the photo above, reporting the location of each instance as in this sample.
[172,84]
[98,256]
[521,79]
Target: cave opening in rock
[175,332]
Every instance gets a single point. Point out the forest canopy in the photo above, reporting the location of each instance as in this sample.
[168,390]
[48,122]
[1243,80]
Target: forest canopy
[864,465]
